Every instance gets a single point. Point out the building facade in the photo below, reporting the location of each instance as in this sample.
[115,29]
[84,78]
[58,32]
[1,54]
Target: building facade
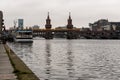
[104,24]
[35,27]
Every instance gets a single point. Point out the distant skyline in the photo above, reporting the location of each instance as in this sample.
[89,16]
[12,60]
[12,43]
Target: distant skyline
[83,12]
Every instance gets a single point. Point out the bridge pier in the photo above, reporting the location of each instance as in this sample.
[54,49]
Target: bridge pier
[72,35]
[48,35]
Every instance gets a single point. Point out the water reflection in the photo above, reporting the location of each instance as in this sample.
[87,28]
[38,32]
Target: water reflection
[70,57]
[23,50]
[48,59]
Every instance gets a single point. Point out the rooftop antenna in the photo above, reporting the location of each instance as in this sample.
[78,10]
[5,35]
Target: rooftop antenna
[15,22]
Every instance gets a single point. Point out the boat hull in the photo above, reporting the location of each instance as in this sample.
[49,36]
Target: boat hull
[23,40]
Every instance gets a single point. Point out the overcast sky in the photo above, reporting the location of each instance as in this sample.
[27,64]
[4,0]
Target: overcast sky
[83,12]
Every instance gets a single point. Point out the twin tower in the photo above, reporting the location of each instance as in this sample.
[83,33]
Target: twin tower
[49,26]
[70,33]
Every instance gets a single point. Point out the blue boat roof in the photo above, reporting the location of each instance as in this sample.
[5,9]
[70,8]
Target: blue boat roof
[23,31]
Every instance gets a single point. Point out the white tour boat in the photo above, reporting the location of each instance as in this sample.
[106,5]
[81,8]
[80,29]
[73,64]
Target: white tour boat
[23,36]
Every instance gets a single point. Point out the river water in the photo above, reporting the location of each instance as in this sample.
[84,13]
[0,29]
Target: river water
[61,59]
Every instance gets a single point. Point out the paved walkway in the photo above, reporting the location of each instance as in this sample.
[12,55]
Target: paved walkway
[6,69]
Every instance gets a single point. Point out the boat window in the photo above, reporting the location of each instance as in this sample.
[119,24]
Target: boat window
[28,33]
[24,34]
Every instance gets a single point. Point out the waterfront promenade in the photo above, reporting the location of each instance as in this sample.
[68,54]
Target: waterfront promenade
[6,69]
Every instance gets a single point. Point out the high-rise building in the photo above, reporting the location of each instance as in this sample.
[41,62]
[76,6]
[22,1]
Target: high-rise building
[20,23]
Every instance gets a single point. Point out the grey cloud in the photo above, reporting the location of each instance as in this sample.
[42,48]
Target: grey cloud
[83,11]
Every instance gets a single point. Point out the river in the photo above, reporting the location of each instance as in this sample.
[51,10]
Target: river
[61,59]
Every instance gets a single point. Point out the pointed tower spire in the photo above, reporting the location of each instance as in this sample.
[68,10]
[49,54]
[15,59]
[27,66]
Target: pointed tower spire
[69,15]
[48,16]
[69,25]
[48,22]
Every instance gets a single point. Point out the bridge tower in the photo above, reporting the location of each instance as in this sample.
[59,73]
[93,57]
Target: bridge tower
[48,26]
[48,22]
[69,25]
[71,34]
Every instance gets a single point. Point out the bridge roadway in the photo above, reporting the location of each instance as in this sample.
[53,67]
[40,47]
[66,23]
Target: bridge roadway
[76,32]
[6,69]
[56,30]
[49,33]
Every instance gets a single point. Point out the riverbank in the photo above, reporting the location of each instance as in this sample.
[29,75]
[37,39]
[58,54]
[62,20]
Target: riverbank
[6,69]
[20,69]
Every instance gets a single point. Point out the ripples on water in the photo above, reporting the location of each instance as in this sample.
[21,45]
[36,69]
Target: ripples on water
[71,59]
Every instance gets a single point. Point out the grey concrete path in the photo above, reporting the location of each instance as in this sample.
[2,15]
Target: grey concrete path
[6,69]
